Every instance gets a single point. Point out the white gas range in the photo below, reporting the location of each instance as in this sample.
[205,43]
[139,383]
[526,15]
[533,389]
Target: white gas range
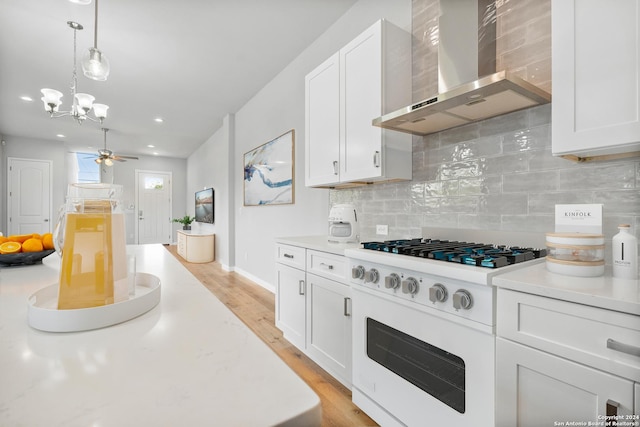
[424,328]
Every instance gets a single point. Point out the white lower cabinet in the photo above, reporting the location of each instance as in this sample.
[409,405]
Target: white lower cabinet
[329,326]
[313,307]
[535,388]
[555,362]
[291,304]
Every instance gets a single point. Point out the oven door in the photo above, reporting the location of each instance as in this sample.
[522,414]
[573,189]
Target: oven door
[415,368]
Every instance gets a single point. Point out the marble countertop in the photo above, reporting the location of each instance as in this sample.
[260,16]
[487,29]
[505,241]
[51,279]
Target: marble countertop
[188,361]
[318,243]
[604,291]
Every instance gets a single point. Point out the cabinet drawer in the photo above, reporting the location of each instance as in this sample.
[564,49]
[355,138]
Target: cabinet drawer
[327,265]
[291,255]
[604,339]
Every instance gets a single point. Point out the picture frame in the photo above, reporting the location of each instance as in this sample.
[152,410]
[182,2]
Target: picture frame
[269,172]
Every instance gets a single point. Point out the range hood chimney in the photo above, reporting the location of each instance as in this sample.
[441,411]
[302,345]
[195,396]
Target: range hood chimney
[466,50]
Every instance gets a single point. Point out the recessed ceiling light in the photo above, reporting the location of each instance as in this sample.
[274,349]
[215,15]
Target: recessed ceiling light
[60,135]
[26,98]
[158,120]
[151,146]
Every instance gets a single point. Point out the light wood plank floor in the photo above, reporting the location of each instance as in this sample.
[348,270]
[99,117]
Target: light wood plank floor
[255,306]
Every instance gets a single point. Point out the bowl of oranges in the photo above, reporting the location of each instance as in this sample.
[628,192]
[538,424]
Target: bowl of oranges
[25,249]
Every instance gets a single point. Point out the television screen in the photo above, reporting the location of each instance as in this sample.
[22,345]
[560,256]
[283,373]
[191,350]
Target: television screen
[204,206]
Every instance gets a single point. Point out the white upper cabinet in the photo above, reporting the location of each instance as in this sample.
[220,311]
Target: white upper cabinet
[367,78]
[596,78]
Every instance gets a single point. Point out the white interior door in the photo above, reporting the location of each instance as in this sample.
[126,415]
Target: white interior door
[29,196]
[153,207]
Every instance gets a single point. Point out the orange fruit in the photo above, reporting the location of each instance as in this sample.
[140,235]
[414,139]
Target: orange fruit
[36,236]
[10,248]
[3,239]
[19,237]
[47,241]
[32,245]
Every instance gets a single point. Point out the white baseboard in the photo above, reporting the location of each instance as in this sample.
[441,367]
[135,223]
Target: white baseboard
[268,286]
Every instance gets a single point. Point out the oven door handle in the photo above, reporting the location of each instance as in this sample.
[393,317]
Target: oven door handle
[347,306]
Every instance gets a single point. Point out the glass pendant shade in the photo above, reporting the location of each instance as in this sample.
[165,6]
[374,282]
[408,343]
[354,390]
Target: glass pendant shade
[85,102]
[98,160]
[108,162]
[100,111]
[95,65]
[51,99]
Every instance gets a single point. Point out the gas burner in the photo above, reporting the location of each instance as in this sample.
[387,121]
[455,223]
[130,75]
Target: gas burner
[468,253]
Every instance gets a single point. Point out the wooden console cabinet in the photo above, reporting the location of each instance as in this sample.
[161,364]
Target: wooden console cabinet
[196,247]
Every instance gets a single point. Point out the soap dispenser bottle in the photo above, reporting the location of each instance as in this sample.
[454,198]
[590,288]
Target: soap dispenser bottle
[625,253]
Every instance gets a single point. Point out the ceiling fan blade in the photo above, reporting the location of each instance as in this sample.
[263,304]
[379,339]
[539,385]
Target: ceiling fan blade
[126,157]
[118,159]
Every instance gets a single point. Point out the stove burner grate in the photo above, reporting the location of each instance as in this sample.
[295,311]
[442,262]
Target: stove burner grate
[476,254]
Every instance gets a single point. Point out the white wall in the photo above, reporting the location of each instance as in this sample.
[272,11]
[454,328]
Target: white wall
[211,165]
[276,109]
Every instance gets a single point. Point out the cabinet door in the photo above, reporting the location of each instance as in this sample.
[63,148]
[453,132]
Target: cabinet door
[290,304]
[182,245]
[360,103]
[595,69]
[534,388]
[329,326]
[322,129]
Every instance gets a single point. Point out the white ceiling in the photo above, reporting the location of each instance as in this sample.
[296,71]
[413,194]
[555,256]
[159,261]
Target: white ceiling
[190,62]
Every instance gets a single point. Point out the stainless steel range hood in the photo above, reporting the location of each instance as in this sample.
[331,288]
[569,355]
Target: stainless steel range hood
[464,52]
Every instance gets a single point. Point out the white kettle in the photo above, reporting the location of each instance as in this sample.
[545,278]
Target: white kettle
[343,224]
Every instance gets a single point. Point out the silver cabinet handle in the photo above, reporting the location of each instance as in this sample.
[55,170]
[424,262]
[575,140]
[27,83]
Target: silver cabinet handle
[327,266]
[623,348]
[347,308]
[301,287]
[288,256]
[376,159]
[46,220]
[335,167]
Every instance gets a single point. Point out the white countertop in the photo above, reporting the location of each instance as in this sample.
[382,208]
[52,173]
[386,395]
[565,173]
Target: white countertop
[188,361]
[604,291]
[318,243]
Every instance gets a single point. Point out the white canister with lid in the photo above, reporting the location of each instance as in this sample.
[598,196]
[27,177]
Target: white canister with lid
[575,254]
[625,253]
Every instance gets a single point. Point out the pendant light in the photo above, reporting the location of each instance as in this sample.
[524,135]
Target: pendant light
[81,103]
[95,64]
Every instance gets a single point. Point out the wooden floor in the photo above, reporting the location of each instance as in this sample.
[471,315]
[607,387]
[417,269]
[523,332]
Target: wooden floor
[255,306]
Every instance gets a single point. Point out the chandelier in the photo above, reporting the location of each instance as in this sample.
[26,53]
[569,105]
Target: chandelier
[82,102]
[95,64]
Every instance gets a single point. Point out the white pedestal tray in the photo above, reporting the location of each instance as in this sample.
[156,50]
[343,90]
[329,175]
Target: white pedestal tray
[43,313]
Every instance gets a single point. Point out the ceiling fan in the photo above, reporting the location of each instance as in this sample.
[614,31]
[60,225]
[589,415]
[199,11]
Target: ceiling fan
[107,156]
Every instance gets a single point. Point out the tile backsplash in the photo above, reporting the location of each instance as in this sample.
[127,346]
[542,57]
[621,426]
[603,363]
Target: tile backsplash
[497,174]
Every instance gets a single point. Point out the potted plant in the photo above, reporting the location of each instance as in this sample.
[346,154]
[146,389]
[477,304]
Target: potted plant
[185,221]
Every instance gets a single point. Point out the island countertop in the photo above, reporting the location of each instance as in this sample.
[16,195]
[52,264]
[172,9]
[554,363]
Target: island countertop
[188,361]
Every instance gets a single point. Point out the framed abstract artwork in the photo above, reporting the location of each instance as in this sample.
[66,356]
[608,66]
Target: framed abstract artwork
[269,172]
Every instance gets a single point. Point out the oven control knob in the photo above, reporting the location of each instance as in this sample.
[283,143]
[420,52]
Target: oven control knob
[392,281]
[410,286]
[438,293]
[357,272]
[371,276]
[462,300]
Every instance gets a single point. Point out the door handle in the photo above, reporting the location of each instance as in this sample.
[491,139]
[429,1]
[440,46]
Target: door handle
[301,287]
[335,167]
[46,220]
[347,308]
